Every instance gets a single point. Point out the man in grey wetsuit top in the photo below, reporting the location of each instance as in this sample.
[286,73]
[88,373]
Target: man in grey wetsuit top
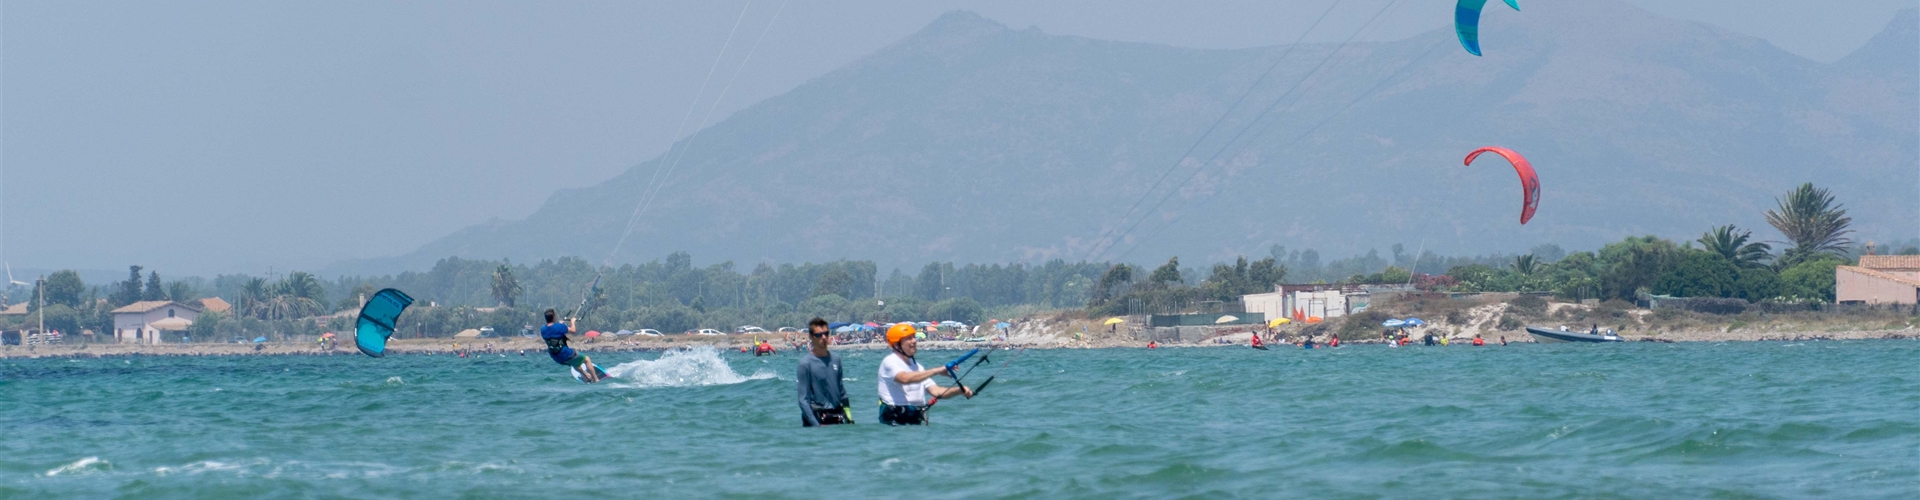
[823,398]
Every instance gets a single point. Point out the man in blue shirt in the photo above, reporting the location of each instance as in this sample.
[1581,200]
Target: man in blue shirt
[555,333]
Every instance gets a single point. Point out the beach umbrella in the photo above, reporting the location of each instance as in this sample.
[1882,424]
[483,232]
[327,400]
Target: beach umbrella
[1415,322]
[1003,325]
[1226,319]
[1276,323]
[1315,319]
[592,334]
[1393,323]
[844,329]
[327,335]
[623,332]
[871,324]
[1114,321]
[257,340]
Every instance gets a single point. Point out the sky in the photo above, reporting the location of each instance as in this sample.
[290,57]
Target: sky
[204,137]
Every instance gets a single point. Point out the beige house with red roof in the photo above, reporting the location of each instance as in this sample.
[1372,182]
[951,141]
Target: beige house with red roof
[148,321]
[1879,279]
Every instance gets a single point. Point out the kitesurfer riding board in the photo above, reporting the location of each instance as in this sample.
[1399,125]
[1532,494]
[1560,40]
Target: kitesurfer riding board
[907,389]
[555,335]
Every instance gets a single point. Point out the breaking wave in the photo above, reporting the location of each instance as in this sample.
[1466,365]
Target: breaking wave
[689,367]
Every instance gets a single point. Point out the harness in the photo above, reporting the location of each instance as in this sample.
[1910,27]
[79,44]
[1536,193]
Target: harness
[832,415]
[902,415]
[556,344]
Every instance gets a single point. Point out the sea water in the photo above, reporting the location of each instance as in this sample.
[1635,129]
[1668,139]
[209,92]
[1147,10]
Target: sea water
[1636,420]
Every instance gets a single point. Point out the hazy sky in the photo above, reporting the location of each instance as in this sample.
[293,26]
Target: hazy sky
[200,137]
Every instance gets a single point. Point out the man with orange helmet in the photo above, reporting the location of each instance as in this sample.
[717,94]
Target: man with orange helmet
[907,389]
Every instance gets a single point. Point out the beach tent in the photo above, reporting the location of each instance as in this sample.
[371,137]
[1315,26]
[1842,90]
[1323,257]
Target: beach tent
[257,340]
[1315,319]
[1226,319]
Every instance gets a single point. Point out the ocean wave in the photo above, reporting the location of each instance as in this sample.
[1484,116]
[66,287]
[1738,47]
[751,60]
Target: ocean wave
[690,367]
[81,466]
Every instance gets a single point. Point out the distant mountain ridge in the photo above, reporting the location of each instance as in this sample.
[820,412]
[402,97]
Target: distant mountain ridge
[972,142]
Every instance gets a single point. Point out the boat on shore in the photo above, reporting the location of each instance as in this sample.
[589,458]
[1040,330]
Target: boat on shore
[1549,335]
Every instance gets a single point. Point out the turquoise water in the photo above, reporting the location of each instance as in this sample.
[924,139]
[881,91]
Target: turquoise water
[1637,420]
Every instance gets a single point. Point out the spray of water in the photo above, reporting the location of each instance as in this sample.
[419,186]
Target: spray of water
[688,367]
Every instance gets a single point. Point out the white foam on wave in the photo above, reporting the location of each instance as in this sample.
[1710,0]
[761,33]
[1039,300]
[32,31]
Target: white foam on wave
[688,367]
[80,466]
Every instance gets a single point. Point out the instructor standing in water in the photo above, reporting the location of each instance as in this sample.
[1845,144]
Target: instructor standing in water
[555,334]
[823,396]
[905,388]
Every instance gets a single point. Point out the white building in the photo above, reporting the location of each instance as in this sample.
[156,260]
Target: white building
[1879,279]
[143,322]
[1305,301]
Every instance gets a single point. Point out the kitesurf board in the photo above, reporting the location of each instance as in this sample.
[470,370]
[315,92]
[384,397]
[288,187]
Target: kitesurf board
[580,376]
[1260,347]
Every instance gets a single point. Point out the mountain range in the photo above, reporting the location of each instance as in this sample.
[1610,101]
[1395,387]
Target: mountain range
[971,141]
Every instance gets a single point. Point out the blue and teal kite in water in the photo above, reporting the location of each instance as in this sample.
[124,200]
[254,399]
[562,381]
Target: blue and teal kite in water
[1466,22]
[376,321]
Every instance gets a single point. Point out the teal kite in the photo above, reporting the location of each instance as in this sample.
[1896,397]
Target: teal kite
[1466,22]
[375,326]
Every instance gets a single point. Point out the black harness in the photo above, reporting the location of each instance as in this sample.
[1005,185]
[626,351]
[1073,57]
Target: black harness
[902,415]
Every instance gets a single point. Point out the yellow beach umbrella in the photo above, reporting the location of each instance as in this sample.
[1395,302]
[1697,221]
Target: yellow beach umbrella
[1114,321]
[1276,323]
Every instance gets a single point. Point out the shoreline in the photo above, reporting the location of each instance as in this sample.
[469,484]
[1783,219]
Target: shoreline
[533,347]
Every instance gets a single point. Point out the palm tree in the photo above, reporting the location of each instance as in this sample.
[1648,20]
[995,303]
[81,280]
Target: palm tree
[1525,264]
[1731,242]
[505,287]
[302,295]
[254,296]
[1810,220]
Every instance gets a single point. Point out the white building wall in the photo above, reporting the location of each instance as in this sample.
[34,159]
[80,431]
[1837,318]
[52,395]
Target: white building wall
[138,327]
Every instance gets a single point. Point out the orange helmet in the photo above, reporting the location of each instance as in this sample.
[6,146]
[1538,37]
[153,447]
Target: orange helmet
[899,331]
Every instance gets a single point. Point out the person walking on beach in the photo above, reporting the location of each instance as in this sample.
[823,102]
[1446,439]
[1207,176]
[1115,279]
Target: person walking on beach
[905,387]
[823,396]
[555,334]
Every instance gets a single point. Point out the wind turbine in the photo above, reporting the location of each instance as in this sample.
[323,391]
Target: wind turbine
[10,279]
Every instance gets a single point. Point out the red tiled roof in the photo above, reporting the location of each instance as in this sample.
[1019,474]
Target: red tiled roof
[149,305]
[1891,262]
